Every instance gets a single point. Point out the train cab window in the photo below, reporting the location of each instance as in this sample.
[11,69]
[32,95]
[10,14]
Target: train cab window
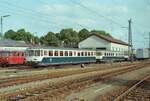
[85,53]
[61,53]
[66,53]
[78,53]
[31,52]
[98,53]
[45,53]
[56,53]
[70,53]
[37,52]
[82,53]
[50,53]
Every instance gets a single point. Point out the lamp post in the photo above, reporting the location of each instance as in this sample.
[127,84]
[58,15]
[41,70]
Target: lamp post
[4,16]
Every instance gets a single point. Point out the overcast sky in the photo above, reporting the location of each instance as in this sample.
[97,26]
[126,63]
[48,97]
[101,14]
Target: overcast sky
[41,16]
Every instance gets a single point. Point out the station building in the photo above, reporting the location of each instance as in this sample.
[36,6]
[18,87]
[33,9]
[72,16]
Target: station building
[8,44]
[103,42]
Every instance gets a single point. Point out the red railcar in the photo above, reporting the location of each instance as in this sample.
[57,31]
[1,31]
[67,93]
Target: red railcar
[11,57]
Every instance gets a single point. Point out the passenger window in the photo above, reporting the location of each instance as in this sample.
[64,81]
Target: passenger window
[82,53]
[88,53]
[70,53]
[41,52]
[50,53]
[91,53]
[56,53]
[66,53]
[37,52]
[85,53]
[61,53]
[45,53]
[74,53]
[78,53]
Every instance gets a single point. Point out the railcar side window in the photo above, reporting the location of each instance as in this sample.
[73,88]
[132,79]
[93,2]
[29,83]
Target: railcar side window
[70,53]
[66,53]
[88,53]
[74,53]
[41,52]
[61,53]
[92,54]
[82,53]
[45,53]
[85,53]
[56,53]
[78,53]
[50,53]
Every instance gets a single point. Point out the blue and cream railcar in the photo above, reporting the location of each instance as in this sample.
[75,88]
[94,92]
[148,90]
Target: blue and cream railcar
[111,56]
[57,56]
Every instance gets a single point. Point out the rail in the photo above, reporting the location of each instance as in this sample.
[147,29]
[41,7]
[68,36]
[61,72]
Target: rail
[130,89]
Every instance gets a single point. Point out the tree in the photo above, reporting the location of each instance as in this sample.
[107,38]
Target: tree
[101,32]
[50,39]
[22,35]
[83,34]
[10,34]
[69,36]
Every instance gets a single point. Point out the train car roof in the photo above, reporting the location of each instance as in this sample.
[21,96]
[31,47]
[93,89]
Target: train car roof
[60,48]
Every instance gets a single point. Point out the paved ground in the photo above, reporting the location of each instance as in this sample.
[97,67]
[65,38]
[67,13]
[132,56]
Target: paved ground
[93,92]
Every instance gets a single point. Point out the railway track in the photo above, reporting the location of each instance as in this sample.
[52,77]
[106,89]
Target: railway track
[51,90]
[138,92]
[4,82]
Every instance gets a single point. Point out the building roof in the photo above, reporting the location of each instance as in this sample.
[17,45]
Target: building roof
[109,39]
[12,43]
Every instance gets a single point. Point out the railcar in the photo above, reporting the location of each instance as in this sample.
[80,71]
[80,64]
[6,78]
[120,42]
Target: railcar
[44,56]
[11,58]
[104,56]
[142,54]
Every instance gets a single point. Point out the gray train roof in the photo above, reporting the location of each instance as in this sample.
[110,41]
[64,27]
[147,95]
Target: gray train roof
[60,48]
[12,43]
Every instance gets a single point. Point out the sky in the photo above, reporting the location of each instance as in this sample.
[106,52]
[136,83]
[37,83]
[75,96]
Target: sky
[42,16]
